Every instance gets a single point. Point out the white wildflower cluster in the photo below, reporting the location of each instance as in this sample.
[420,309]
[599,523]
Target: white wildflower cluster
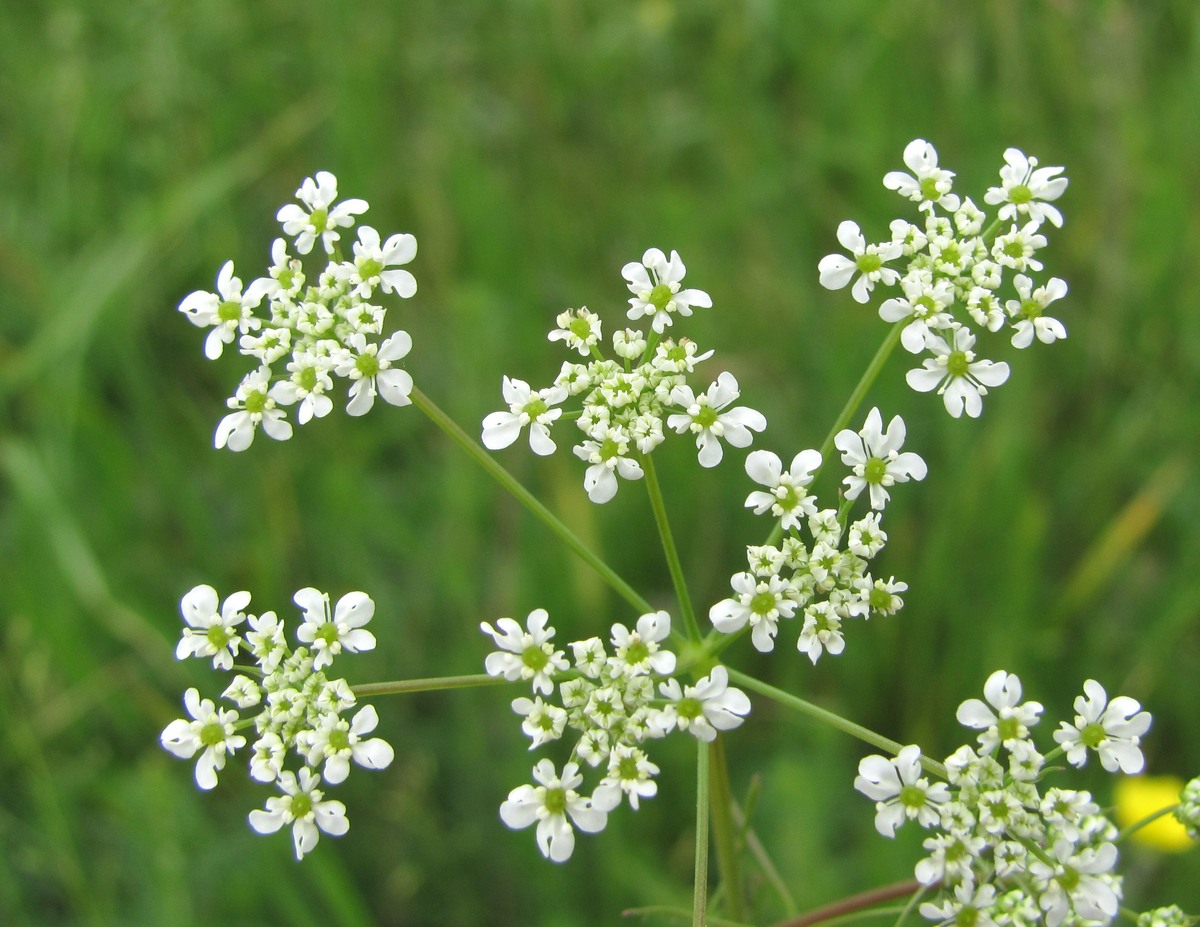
[629,401]
[1188,812]
[951,270]
[609,703]
[318,324]
[1004,850]
[1169,916]
[301,737]
[824,581]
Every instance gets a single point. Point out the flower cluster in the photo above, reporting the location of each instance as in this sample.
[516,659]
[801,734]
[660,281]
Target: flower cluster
[317,324]
[300,716]
[1188,812]
[608,701]
[630,400]
[1004,850]
[827,580]
[951,270]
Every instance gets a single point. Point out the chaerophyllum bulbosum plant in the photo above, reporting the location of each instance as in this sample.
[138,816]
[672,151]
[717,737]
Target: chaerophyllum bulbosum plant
[1009,840]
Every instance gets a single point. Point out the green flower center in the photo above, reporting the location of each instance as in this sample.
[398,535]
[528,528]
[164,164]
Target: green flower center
[369,267]
[929,189]
[535,658]
[580,328]
[286,278]
[1015,248]
[1020,194]
[881,600]
[789,500]
[301,805]
[660,296]
[556,801]
[212,734]
[1031,308]
[912,797]
[636,653]
[1069,879]
[627,768]
[609,449]
[1093,735]
[689,708]
[706,417]
[319,219]
[328,633]
[339,740]
[875,470]
[868,263]
[951,254]
[306,379]
[924,306]
[256,402]
[967,917]
[763,603]
[1009,728]
[217,636]
[367,364]
[229,311]
[957,364]
[535,407]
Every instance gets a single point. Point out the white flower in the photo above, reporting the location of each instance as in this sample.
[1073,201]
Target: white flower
[378,265]
[630,770]
[709,706]
[526,407]
[925,301]
[1016,249]
[1028,311]
[229,310]
[209,633]
[309,382]
[269,754]
[899,791]
[370,367]
[254,404]
[837,270]
[321,219]
[761,602]
[930,185]
[1009,722]
[551,803]
[1079,883]
[787,498]
[706,417]
[1026,189]
[329,636]
[525,654]
[607,453]
[543,722]
[301,806]
[874,456]
[655,284]
[959,378]
[637,652]
[1112,728]
[822,631]
[211,732]
[338,741]
[577,328]
[971,905]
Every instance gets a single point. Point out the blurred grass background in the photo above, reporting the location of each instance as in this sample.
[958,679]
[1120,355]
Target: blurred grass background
[533,147]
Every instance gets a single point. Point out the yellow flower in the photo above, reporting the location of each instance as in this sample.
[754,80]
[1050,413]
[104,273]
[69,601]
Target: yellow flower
[1138,797]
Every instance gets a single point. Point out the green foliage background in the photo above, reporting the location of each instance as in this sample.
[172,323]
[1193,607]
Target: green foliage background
[533,147]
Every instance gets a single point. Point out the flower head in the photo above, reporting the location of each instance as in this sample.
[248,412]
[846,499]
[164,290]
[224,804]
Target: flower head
[875,458]
[525,653]
[706,417]
[655,285]
[555,805]
[211,633]
[319,218]
[211,733]
[303,806]
[1113,729]
[867,261]
[330,635]
[928,184]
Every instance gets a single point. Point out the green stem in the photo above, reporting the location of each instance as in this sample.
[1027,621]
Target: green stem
[668,543]
[866,381]
[527,499]
[399,686]
[724,831]
[856,906]
[700,885]
[828,717]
